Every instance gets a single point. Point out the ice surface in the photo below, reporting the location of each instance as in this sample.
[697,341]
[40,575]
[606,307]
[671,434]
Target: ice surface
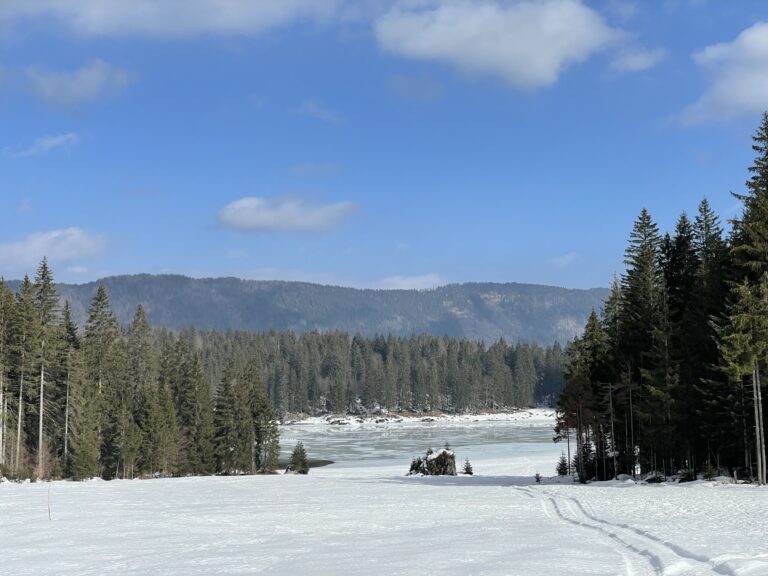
[363,516]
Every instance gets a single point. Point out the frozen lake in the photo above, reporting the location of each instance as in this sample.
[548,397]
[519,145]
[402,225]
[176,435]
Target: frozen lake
[374,445]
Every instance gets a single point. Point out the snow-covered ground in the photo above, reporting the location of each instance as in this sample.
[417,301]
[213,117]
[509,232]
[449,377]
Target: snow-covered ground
[526,417]
[363,516]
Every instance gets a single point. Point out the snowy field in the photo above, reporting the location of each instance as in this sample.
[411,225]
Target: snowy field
[363,516]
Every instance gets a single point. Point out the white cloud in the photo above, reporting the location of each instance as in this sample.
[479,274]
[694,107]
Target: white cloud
[314,109]
[283,215]
[528,43]
[164,18]
[739,77]
[44,144]
[86,84]
[566,260]
[58,246]
[77,269]
[638,59]
[423,282]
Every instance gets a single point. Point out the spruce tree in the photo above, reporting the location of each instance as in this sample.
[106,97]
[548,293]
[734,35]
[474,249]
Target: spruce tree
[50,341]
[194,404]
[99,345]
[85,422]
[7,305]
[750,244]
[299,463]
[25,349]
[266,431]
[740,348]
[71,345]
[144,383]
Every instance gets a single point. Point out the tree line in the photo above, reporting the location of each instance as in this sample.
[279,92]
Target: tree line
[336,372]
[667,377]
[103,400]
[114,403]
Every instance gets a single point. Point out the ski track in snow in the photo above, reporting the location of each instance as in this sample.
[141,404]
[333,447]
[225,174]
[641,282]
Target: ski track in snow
[664,558]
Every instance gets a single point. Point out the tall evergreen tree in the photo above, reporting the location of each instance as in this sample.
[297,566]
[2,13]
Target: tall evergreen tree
[50,339]
[7,305]
[99,346]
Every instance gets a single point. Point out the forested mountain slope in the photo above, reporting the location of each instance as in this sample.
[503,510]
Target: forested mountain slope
[478,311]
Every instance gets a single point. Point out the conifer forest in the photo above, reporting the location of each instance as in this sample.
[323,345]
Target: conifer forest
[667,377]
[124,402]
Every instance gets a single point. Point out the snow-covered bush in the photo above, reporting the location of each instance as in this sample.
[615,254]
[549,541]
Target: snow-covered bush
[440,463]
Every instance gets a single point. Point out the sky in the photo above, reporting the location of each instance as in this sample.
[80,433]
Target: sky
[368,143]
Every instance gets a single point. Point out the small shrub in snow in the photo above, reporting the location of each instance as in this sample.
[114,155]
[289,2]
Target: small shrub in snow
[538,478]
[562,466]
[468,468]
[299,463]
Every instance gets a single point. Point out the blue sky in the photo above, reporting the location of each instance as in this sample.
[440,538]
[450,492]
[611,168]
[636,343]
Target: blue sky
[375,143]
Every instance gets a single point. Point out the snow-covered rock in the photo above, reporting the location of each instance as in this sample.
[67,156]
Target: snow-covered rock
[435,463]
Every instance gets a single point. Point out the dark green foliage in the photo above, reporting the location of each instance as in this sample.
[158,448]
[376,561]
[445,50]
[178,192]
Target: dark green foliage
[299,462]
[682,341]
[562,466]
[335,373]
[468,468]
[140,402]
[247,437]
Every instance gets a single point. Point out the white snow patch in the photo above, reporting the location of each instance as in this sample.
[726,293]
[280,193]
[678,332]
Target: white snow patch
[365,516]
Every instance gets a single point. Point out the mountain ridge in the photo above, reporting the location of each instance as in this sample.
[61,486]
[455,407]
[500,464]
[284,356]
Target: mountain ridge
[517,312]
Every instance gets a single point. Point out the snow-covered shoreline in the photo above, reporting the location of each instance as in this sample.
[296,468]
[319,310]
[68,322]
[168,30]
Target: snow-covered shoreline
[525,417]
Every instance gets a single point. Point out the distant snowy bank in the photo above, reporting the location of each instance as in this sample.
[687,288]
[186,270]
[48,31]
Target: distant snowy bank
[524,417]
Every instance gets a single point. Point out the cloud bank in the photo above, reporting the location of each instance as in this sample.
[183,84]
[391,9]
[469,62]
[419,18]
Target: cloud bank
[59,246]
[283,215]
[163,18]
[738,72]
[528,44]
[71,88]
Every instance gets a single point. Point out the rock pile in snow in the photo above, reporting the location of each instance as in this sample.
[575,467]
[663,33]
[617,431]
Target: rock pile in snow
[440,463]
